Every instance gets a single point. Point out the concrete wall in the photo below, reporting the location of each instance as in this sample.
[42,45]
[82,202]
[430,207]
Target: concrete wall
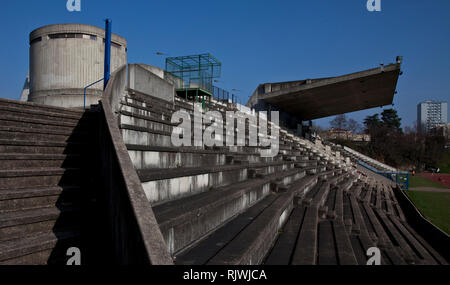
[144,80]
[118,89]
[438,239]
[132,230]
[25,90]
[61,67]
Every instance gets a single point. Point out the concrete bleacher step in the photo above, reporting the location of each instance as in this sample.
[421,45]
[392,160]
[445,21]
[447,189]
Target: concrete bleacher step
[185,220]
[252,244]
[431,251]
[247,238]
[206,249]
[162,185]
[149,157]
[306,239]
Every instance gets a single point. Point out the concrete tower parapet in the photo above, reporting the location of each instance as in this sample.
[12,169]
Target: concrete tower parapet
[65,58]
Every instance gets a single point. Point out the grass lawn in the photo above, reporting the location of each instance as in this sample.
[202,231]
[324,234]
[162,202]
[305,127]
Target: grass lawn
[419,181]
[435,206]
[444,163]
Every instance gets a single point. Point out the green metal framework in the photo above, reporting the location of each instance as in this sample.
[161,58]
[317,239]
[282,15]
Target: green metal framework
[195,71]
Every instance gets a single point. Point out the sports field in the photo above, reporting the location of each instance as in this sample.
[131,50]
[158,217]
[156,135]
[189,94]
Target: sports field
[435,206]
[420,181]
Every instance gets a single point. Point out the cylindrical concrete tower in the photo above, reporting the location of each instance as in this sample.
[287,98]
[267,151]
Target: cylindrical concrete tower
[65,58]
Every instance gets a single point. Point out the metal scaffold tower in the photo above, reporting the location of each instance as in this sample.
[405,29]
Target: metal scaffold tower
[196,74]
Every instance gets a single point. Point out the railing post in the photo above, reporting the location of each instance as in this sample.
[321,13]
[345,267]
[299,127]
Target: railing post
[107,67]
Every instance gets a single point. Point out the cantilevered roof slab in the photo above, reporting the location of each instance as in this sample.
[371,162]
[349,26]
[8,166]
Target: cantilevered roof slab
[318,98]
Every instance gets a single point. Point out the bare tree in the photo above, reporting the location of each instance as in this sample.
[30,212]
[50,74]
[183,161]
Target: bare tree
[354,126]
[339,122]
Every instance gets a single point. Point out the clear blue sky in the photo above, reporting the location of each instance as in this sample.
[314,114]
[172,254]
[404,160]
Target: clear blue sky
[259,41]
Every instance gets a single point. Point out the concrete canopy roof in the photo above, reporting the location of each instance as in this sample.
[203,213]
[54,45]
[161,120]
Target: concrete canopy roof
[318,98]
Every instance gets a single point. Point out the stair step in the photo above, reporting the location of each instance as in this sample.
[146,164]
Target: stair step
[26,133]
[10,179]
[42,207]
[40,107]
[25,121]
[40,147]
[38,160]
[36,197]
[26,222]
[43,248]
[40,114]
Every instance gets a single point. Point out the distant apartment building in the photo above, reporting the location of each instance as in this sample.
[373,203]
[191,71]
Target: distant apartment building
[336,133]
[431,114]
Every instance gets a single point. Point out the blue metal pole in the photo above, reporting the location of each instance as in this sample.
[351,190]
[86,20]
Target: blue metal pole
[107,69]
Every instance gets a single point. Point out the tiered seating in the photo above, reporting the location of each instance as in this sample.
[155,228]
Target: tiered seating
[359,157]
[199,192]
[229,205]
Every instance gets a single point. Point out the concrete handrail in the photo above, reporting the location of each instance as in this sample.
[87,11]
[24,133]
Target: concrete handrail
[138,238]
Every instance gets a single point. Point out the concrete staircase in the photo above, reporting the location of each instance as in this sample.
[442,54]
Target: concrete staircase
[44,182]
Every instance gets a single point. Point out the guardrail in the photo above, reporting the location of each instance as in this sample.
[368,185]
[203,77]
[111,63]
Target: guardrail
[84,91]
[399,177]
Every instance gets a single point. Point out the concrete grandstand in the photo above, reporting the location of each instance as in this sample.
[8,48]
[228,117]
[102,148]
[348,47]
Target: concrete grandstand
[109,180]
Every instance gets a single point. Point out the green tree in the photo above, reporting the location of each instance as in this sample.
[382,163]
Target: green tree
[391,120]
[372,123]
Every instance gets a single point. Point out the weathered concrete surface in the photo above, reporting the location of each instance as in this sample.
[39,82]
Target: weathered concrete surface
[316,98]
[134,230]
[143,80]
[61,67]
